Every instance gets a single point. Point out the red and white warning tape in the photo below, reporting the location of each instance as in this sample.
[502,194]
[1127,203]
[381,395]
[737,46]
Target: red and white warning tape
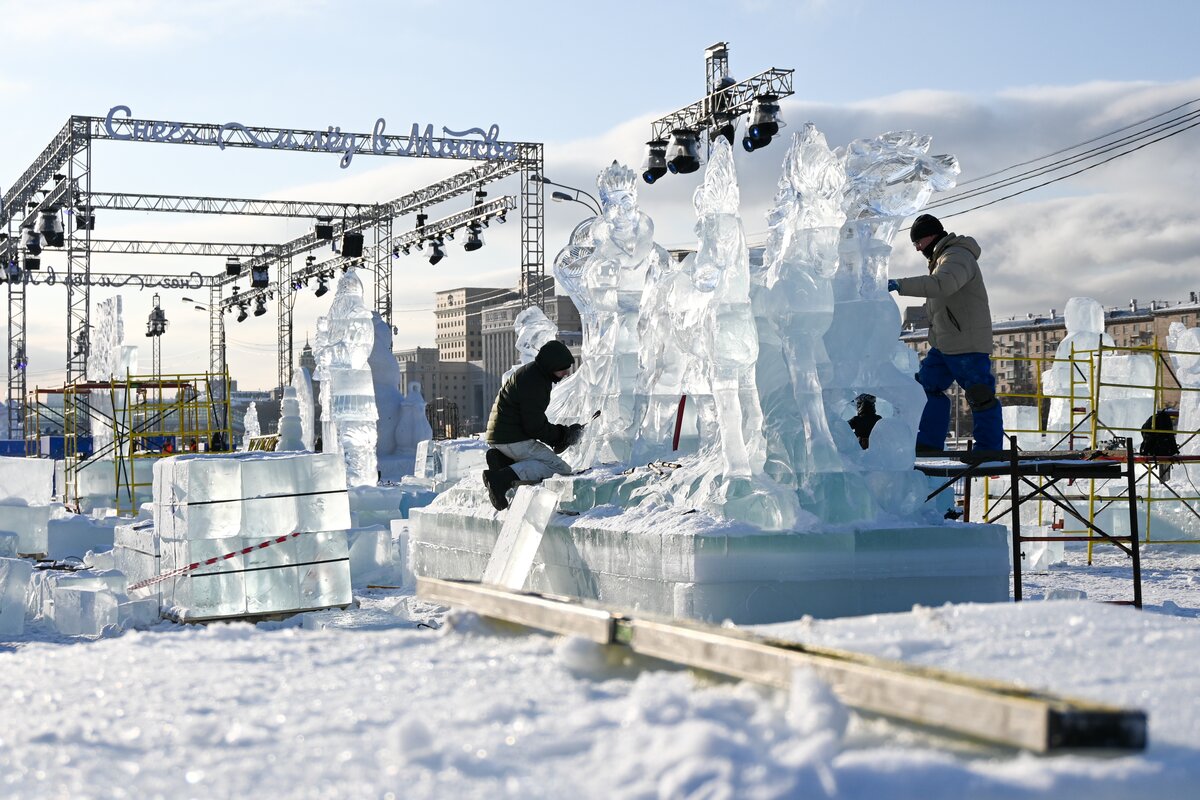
[175,573]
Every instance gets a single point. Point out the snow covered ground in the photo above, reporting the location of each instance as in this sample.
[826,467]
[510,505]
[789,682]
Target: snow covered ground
[396,699]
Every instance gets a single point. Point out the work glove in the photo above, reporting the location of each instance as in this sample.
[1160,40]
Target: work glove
[571,435]
[893,286]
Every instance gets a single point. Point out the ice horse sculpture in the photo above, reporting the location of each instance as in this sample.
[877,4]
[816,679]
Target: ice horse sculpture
[888,178]
[345,339]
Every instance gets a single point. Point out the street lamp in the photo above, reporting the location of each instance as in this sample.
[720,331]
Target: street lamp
[576,197]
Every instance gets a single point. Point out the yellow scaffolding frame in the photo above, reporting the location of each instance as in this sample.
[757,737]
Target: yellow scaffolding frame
[1087,368]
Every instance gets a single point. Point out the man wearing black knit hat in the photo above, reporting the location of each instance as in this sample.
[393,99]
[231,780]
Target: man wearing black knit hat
[960,335]
[520,436]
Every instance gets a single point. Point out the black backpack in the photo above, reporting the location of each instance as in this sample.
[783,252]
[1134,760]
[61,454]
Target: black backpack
[1158,436]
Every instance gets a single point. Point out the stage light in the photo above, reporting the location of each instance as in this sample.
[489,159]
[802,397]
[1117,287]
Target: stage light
[683,152]
[352,244]
[437,253]
[764,122]
[84,220]
[310,260]
[406,249]
[421,218]
[51,228]
[323,230]
[502,217]
[156,325]
[259,277]
[31,240]
[233,266]
[448,236]
[242,315]
[322,288]
[474,242]
[32,263]
[656,160]
[260,305]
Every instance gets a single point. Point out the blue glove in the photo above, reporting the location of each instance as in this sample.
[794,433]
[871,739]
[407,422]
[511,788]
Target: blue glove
[893,286]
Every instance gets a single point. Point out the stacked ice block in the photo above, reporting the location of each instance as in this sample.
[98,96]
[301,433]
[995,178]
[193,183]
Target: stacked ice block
[273,524]
[14,579]
[26,485]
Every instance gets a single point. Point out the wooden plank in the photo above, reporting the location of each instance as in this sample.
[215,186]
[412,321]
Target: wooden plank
[978,708]
[544,612]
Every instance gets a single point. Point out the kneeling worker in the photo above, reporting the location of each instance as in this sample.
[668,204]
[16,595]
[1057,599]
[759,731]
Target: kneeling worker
[518,431]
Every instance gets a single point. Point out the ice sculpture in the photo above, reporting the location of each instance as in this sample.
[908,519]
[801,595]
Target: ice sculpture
[1187,360]
[108,358]
[250,425]
[533,330]
[345,339]
[291,433]
[302,383]
[605,278]
[413,427]
[888,178]
[1068,382]
[793,302]
[385,373]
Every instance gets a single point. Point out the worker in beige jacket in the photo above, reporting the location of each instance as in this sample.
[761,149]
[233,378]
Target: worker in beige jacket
[960,336]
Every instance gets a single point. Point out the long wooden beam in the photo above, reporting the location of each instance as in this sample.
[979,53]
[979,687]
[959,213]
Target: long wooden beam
[981,709]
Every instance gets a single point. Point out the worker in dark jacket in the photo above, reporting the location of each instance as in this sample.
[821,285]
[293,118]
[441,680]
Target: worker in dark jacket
[518,431]
[960,336]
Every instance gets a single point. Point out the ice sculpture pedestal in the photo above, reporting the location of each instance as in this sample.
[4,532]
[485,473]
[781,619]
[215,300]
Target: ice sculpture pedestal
[689,565]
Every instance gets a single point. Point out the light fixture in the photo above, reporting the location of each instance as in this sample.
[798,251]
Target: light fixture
[51,228]
[32,263]
[85,220]
[421,218]
[683,152]
[406,249]
[259,277]
[13,272]
[764,122]
[656,160]
[156,325]
[322,288]
[308,262]
[323,230]
[502,217]
[352,244]
[395,252]
[437,251]
[20,362]
[474,242]
[448,236]
[242,315]
[31,240]
[260,305]
[233,266]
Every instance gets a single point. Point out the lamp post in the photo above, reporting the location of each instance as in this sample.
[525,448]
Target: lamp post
[221,402]
[576,197]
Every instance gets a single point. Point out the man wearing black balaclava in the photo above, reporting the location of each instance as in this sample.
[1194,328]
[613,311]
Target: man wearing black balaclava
[518,430]
[960,335]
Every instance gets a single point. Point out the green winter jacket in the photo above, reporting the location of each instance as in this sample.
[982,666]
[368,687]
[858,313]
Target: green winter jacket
[519,412]
[960,320]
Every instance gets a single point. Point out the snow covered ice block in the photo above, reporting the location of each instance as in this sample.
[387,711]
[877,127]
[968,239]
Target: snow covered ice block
[323,560]
[8,544]
[462,457]
[43,590]
[141,613]
[14,581]
[26,481]
[84,610]
[29,523]
[520,537]
[372,558]
[74,535]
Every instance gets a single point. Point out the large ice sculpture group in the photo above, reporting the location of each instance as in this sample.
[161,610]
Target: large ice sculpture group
[743,374]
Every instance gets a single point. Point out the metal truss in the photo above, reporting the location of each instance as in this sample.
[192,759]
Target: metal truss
[79,259]
[49,162]
[187,204]
[732,102]
[18,357]
[434,230]
[136,247]
[533,231]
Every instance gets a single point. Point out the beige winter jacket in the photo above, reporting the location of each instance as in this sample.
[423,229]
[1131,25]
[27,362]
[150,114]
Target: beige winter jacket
[960,320]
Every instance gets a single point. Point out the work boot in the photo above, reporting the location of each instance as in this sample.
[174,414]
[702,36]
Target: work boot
[497,460]
[498,482]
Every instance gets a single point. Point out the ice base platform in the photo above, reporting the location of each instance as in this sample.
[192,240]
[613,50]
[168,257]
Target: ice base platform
[666,561]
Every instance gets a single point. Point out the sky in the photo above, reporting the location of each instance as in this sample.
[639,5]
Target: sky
[995,84]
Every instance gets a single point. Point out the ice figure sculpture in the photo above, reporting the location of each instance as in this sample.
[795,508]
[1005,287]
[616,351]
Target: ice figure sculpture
[108,358]
[888,178]
[250,425]
[291,434]
[413,427]
[533,330]
[1068,382]
[385,373]
[793,302]
[1187,371]
[302,382]
[605,277]
[345,339]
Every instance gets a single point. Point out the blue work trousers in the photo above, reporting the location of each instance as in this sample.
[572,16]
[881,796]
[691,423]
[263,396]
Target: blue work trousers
[973,372]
